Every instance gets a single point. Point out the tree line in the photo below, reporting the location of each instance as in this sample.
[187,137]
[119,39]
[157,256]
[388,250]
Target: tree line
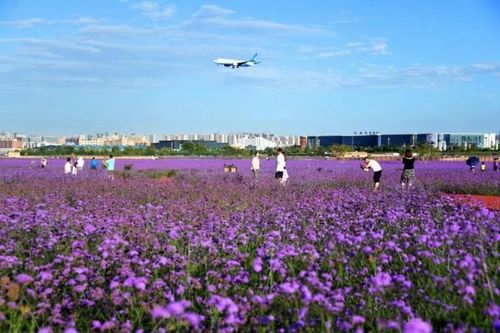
[198,149]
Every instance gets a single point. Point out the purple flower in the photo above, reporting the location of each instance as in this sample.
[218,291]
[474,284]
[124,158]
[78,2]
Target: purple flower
[45,276]
[257,264]
[357,320]
[24,279]
[417,325]
[493,310]
[160,312]
[45,330]
[469,291]
[177,308]
[193,319]
[223,304]
[80,288]
[382,279]
[289,287]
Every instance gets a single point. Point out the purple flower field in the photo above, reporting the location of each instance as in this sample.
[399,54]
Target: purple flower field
[208,251]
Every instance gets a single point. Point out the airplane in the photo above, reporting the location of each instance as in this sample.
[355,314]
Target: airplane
[237,63]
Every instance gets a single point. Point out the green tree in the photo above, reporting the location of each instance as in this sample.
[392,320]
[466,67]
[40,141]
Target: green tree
[339,151]
[426,151]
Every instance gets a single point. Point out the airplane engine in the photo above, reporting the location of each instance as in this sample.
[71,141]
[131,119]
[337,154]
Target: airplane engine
[235,65]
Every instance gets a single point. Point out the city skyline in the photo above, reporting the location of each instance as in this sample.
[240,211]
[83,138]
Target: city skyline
[327,68]
[15,133]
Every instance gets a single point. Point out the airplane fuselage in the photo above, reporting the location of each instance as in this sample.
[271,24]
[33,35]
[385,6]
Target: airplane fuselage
[235,63]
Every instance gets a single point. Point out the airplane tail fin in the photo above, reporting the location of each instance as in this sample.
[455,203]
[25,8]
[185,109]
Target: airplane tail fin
[254,56]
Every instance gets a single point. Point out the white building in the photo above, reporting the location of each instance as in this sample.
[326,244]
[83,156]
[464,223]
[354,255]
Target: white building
[258,143]
[468,140]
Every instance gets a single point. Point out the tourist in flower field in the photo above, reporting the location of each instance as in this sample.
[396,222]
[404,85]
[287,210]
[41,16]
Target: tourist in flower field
[472,162]
[109,164]
[408,175]
[256,166]
[74,168]
[285,173]
[285,176]
[43,162]
[94,164]
[280,165]
[80,163]
[370,163]
[483,166]
[68,166]
[495,164]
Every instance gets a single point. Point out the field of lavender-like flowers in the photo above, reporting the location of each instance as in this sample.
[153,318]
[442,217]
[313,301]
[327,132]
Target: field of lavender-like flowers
[206,251]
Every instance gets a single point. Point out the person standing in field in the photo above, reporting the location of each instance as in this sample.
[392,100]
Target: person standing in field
[495,164]
[280,165]
[109,164]
[256,166]
[68,166]
[74,168]
[94,164]
[285,172]
[80,163]
[369,163]
[408,175]
[43,162]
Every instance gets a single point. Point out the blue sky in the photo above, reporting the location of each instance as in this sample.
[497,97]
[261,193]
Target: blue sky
[328,67]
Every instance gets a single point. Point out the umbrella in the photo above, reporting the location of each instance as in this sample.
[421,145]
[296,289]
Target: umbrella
[472,161]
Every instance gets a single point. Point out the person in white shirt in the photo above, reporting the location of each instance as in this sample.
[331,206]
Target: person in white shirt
[68,166]
[280,166]
[256,166]
[368,164]
[74,169]
[79,163]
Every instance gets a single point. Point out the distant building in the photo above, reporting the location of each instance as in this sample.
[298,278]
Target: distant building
[313,142]
[52,140]
[258,143]
[8,145]
[177,144]
[90,141]
[399,140]
[303,142]
[33,141]
[11,144]
[373,140]
[473,140]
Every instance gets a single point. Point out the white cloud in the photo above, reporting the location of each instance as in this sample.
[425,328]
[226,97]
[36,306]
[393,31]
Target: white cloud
[416,76]
[52,44]
[84,20]
[354,44]
[114,29]
[26,23]
[154,10]
[350,48]
[212,11]
[333,54]
[215,16]
[380,48]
